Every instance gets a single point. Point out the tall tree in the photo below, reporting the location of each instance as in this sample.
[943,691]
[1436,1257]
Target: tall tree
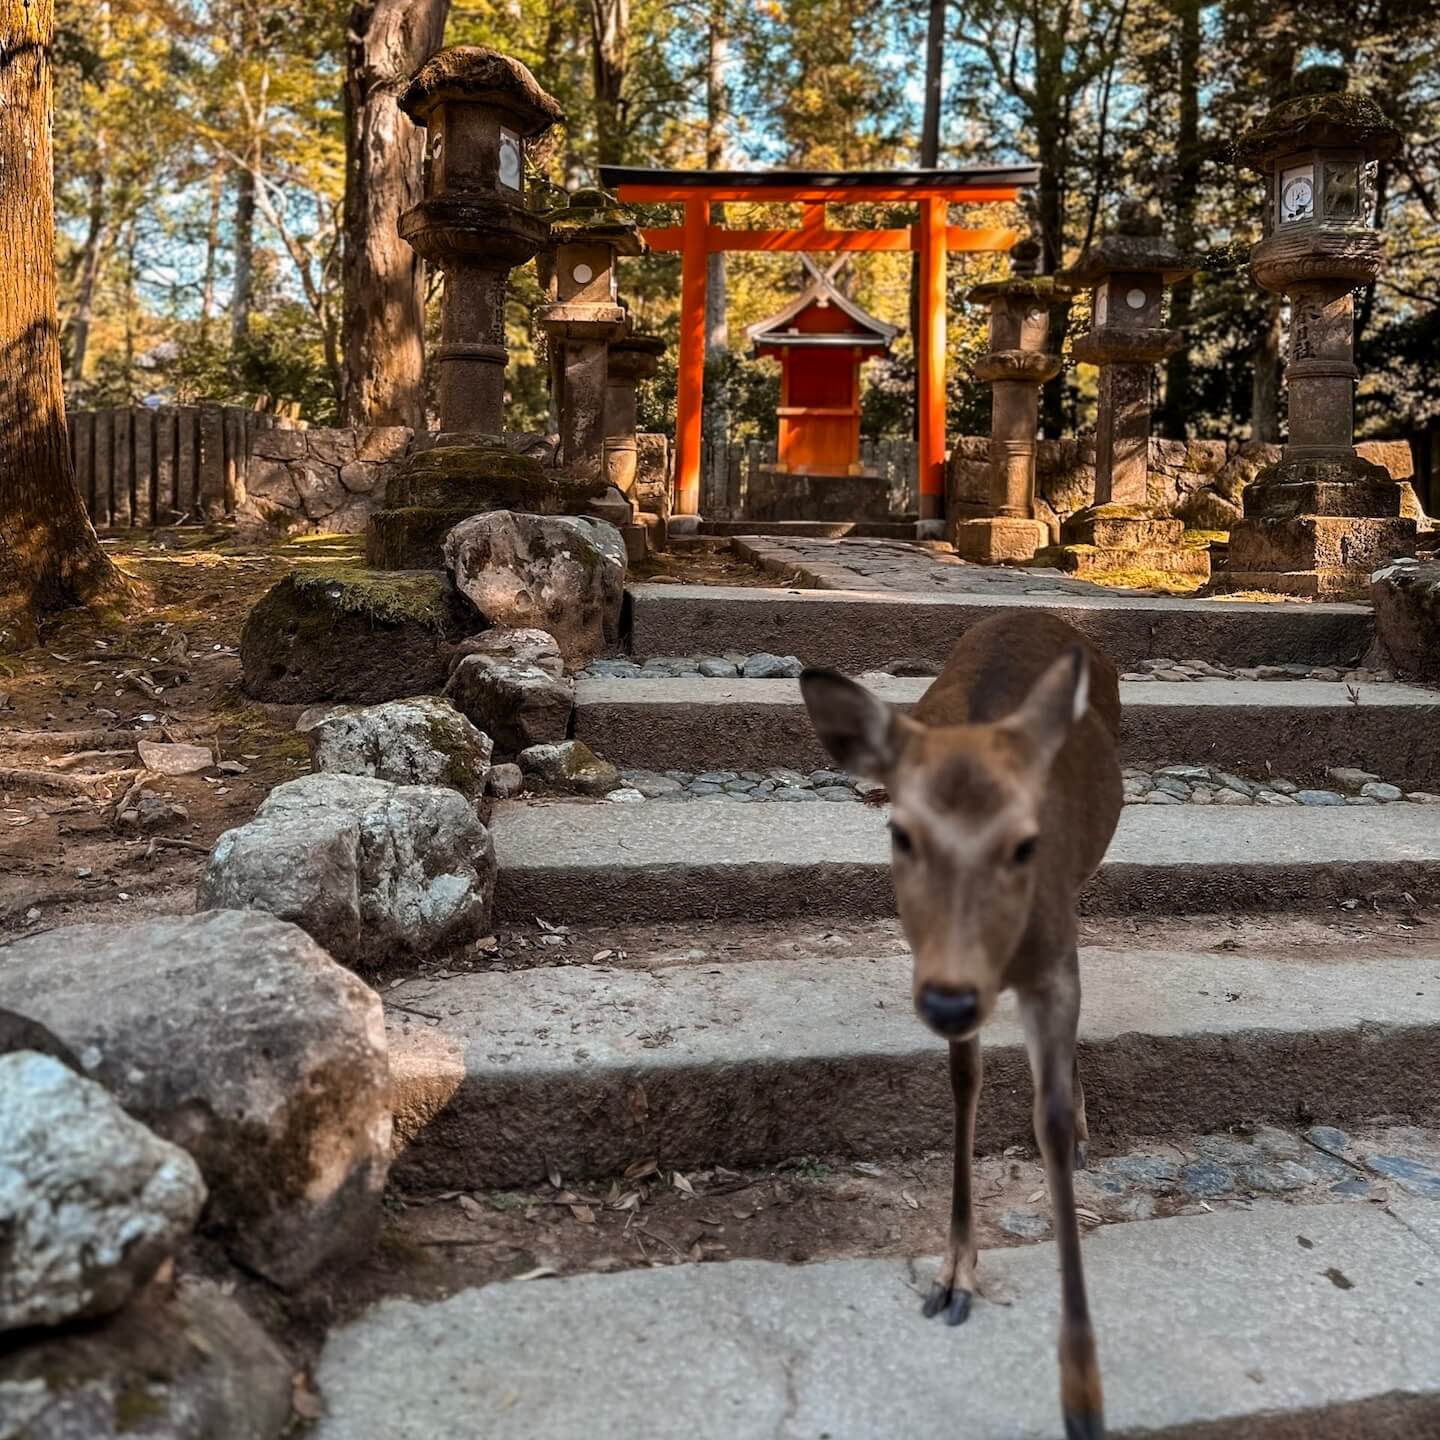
[49,556]
[1184,197]
[384,282]
[717,330]
[610,62]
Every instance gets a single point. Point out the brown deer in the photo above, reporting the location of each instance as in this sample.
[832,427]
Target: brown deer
[1005,789]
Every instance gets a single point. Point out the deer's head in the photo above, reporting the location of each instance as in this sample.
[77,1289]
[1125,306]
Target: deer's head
[967,849]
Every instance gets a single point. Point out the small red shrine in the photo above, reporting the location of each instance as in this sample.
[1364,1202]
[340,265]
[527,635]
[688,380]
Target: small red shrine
[821,339]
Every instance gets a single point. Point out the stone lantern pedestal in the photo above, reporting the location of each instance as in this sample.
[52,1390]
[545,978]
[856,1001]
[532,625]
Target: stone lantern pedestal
[1322,519]
[1127,273]
[480,109]
[632,359]
[1016,366]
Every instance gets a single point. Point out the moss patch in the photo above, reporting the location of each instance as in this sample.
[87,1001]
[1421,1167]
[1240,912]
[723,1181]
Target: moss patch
[386,597]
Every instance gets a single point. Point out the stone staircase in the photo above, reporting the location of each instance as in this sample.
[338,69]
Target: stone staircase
[1243,967]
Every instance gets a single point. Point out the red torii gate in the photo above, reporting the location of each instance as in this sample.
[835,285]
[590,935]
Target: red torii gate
[932,236]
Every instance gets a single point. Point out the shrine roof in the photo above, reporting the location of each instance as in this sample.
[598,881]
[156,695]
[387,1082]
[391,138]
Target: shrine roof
[864,184]
[775,329]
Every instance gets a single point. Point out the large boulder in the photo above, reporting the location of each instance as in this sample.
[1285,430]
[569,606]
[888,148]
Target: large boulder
[420,741]
[1406,597]
[193,1366]
[558,573]
[373,871]
[90,1201]
[570,766]
[339,632]
[516,703]
[237,1038]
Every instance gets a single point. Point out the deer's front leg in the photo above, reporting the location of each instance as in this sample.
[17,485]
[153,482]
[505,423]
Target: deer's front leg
[954,1287]
[1051,1015]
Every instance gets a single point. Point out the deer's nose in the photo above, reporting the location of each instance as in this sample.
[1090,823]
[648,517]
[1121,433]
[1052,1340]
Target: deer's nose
[950,1012]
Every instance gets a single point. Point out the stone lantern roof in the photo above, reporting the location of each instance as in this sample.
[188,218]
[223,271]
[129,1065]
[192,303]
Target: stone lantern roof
[474,74]
[1320,114]
[1135,247]
[595,217]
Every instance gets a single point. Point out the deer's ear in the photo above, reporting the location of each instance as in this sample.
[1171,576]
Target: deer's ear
[859,730]
[1054,705]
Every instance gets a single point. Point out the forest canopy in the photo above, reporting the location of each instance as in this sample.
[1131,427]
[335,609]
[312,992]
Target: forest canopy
[201,163]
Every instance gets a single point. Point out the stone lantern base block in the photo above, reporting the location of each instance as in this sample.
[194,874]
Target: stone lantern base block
[998,539]
[1111,560]
[410,538]
[1348,486]
[1122,527]
[1315,555]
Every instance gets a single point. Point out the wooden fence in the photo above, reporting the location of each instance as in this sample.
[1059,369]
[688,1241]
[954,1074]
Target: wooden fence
[143,466]
[727,467]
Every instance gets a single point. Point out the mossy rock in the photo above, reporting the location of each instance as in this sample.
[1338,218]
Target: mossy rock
[480,479]
[411,538]
[342,632]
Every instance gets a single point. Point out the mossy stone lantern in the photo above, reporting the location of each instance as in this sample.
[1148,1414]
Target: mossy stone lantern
[1127,273]
[590,233]
[1320,520]
[1015,367]
[481,109]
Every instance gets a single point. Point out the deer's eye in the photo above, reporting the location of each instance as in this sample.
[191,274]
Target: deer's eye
[900,837]
[1024,851]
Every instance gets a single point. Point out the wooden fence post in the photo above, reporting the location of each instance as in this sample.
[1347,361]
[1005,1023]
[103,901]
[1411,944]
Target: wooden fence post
[82,451]
[187,461]
[234,457]
[212,462]
[122,474]
[165,437]
[143,420]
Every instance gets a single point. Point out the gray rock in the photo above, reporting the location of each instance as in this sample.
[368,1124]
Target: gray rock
[1163,797]
[1276,1179]
[717,777]
[1319,797]
[1411,1175]
[1229,1149]
[422,741]
[151,813]
[1187,772]
[1136,788]
[1355,1187]
[789,777]
[625,796]
[1422,797]
[90,1201]
[613,669]
[671,665]
[828,777]
[1406,597]
[1284,787]
[1274,797]
[371,870]
[1024,1223]
[650,783]
[1329,1139]
[836,793]
[1172,785]
[191,1367]
[1378,790]
[703,787]
[558,573]
[1349,779]
[506,781]
[570,766]
[1206,1179]
[1232,797]
[1148,1170]
[234,1036]
[516,704]
[1235,783]
[794,792]
[739,787]
[765,666]
[524,647]
[716,668]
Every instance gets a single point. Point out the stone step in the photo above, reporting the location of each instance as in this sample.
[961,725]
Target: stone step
[862,630]
[496,1075]
[1298,1321]
[814,529]
[575,863]
[1299,726]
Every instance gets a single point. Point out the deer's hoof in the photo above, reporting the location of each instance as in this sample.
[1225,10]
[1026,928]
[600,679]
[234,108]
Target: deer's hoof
[953,1303]
[1084,1425]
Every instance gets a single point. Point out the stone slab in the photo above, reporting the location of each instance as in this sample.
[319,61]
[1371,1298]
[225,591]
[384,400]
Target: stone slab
[755,1062]
[710,858]
[1209,1325]
[859,630]
[1301,727]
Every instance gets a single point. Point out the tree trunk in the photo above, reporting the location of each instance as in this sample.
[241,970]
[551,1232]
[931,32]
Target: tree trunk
[212,252]
[92,265]
[610,61]
[384,280]
[1265,381]
[49,556]
[242,290]
[1175,414]
[717,329]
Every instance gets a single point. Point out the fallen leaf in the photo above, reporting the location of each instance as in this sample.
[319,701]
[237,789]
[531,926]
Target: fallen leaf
[1036,1197]
[303,1400]
[600,955]
[628,1201]
[1089,1215]
[638,1169]
[540,1272]
[473,1209]
[552,1172]
[639,1104]
[583,1213]
[909,1199]
[682,1184]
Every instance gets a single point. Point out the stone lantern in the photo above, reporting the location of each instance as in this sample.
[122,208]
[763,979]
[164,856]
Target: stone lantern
[1127,273]
[1015,367]
[1319,521]
[586,318]
[480,108]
